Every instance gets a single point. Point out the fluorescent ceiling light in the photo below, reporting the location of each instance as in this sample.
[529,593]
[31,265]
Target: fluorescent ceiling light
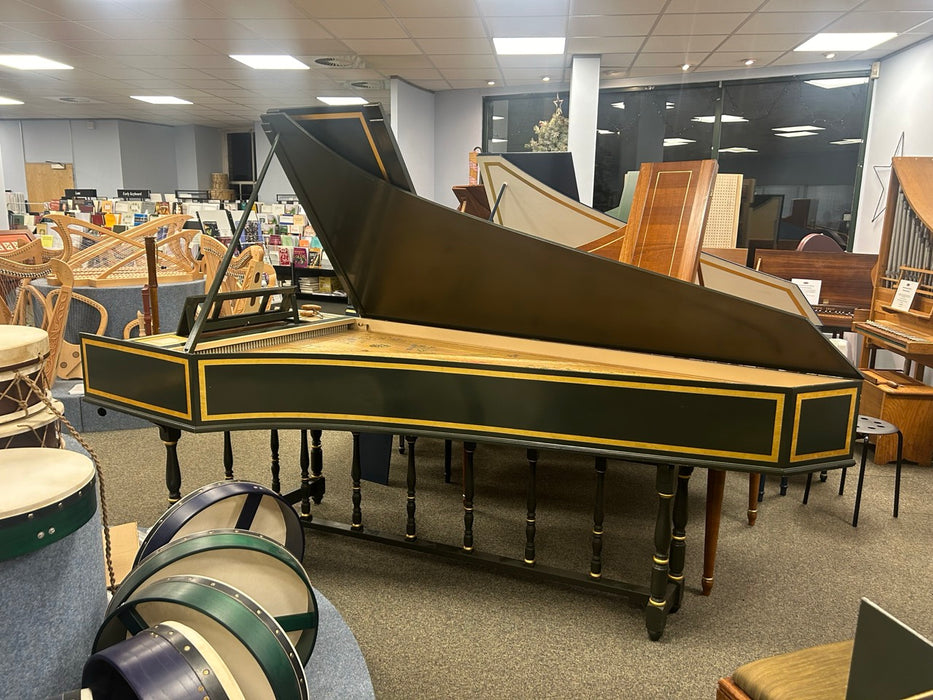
[497,140]
[161,99]
[343,101]
[618,105]
[830,83]
[497,117]
[797,128]
[9,101]
[677,141]
[794,134]
[725,118]
[529,45]
[605,131]
[669,105]
[850,41]
[270,61]
[737,149]
[845,142]
[31,62]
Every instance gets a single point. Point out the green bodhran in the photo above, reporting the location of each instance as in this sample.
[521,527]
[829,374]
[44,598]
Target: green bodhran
[254,646]
[255,564]
[47,495]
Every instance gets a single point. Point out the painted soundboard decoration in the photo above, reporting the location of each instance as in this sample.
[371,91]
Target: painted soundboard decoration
[217,605]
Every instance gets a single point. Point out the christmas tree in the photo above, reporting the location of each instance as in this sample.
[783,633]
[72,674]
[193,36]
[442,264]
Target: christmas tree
[551,135]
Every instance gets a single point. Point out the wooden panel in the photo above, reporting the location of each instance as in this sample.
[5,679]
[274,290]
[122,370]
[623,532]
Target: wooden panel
[47,181]
[909,406]
[846,277]
[665,228]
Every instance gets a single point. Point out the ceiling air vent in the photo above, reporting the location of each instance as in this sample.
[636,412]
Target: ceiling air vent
[339,61]
[75,100]
[368,84]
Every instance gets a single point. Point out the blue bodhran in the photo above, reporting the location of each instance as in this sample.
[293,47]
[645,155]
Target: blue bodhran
[254,647]
[243,505]
[52,587]
[255,564]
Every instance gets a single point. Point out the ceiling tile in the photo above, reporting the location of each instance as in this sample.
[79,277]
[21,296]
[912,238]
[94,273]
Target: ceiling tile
[451,74]
[433,85]
[140,47]
[520,8]
[286,28]
[808,5]
[894,5]
[704,42]
[320,9]
[464,61]
[467,84]
[527,26]
[384,46]
[241,45]
[880,21]
[616,7]
[763,42]
[14,10]
[364,28]
[601,45]
[531,75]
[670,60]
[176,9]
[537,62]
[649,72]
[431,8]
[704,6]
[792,58]
[787,22]
[712,23]
[396,63]
[615,25]
[898,42]
[454,46]
[728,59]
[56,30]
[436,28]
[426,74]
[616,60]
[251,9]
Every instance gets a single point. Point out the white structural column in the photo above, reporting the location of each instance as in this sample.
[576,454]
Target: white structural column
[581,138]
[412,121]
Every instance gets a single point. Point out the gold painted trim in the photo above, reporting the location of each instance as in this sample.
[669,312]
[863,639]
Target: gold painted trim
[362,120]
[90,390]
[851,392]
[777,398]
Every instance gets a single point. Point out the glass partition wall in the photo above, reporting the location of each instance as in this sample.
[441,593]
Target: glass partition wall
[798,142]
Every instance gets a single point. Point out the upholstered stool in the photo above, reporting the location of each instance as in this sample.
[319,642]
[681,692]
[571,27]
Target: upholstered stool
[816,673]
[864,430]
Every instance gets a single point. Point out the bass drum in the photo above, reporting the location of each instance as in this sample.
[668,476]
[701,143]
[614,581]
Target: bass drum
[258,566]
[242,505]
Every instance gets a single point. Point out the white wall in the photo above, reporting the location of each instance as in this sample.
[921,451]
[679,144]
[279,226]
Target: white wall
[901,104]
[413,123]
[147,156]
[459,117]
[186,159]
[14,164]
[275,181]
[95,151]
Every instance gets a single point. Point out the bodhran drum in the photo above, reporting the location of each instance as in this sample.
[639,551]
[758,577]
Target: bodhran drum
[23,352]
[40,429]
[251,643]
[243,505]
[167,660]
[52,587]
[258,566]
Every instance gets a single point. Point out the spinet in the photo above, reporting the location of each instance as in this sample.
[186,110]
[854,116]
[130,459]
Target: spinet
[460,335]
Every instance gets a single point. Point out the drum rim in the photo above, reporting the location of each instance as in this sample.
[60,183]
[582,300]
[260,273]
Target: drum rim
[37,528]
[236,612]
[204,648]
[187,664]
[31,419]
[218,539]
[178,511]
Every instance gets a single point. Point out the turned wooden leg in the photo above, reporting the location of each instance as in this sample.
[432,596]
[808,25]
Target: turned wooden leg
[304,462]
[170,438]
[228,456]
[531,506]
[679,536]
[410,524]
[596,561]
[447,459]
[657,608]
[754,480]
[317,468]
[715,481]
[468,449]
[275,468]
[356,521]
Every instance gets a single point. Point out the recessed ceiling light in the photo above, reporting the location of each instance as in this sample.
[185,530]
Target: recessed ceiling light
[546,79]
[618,105]
[830,83]
[490,82]
[529,45]
[669,105]
[797,128]
[677,141]
[161,99]
[497,140]
[31,62]
[725,118]
[749,61]
[343,101]
[605,131]
[794,134]
[270,61]
[497,117]
[854,41]
[685,66]
[9,101]
[829,55]
[845,142]
[738,149]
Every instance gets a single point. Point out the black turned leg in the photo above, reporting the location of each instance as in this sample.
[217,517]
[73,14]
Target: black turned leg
[656,610]
[783,490]
[861,477]
[596,561]
[447,458]
[410,525]
[806,489]
[468,449]
[531,501]
[304,463]
[274,448]
[356,521]
[228,456]
[679,536]
[401,444]
[317,468]
[715,486]
[761,489]
[897,473]
[823,475]
[170,438]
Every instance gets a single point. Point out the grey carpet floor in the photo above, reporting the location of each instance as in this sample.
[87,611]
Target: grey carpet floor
[431,628]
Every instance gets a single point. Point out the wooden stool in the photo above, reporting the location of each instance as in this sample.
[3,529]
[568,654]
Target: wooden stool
[866,428]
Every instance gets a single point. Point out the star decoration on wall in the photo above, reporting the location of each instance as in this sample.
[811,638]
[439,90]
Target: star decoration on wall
[558,103]
[882,198]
